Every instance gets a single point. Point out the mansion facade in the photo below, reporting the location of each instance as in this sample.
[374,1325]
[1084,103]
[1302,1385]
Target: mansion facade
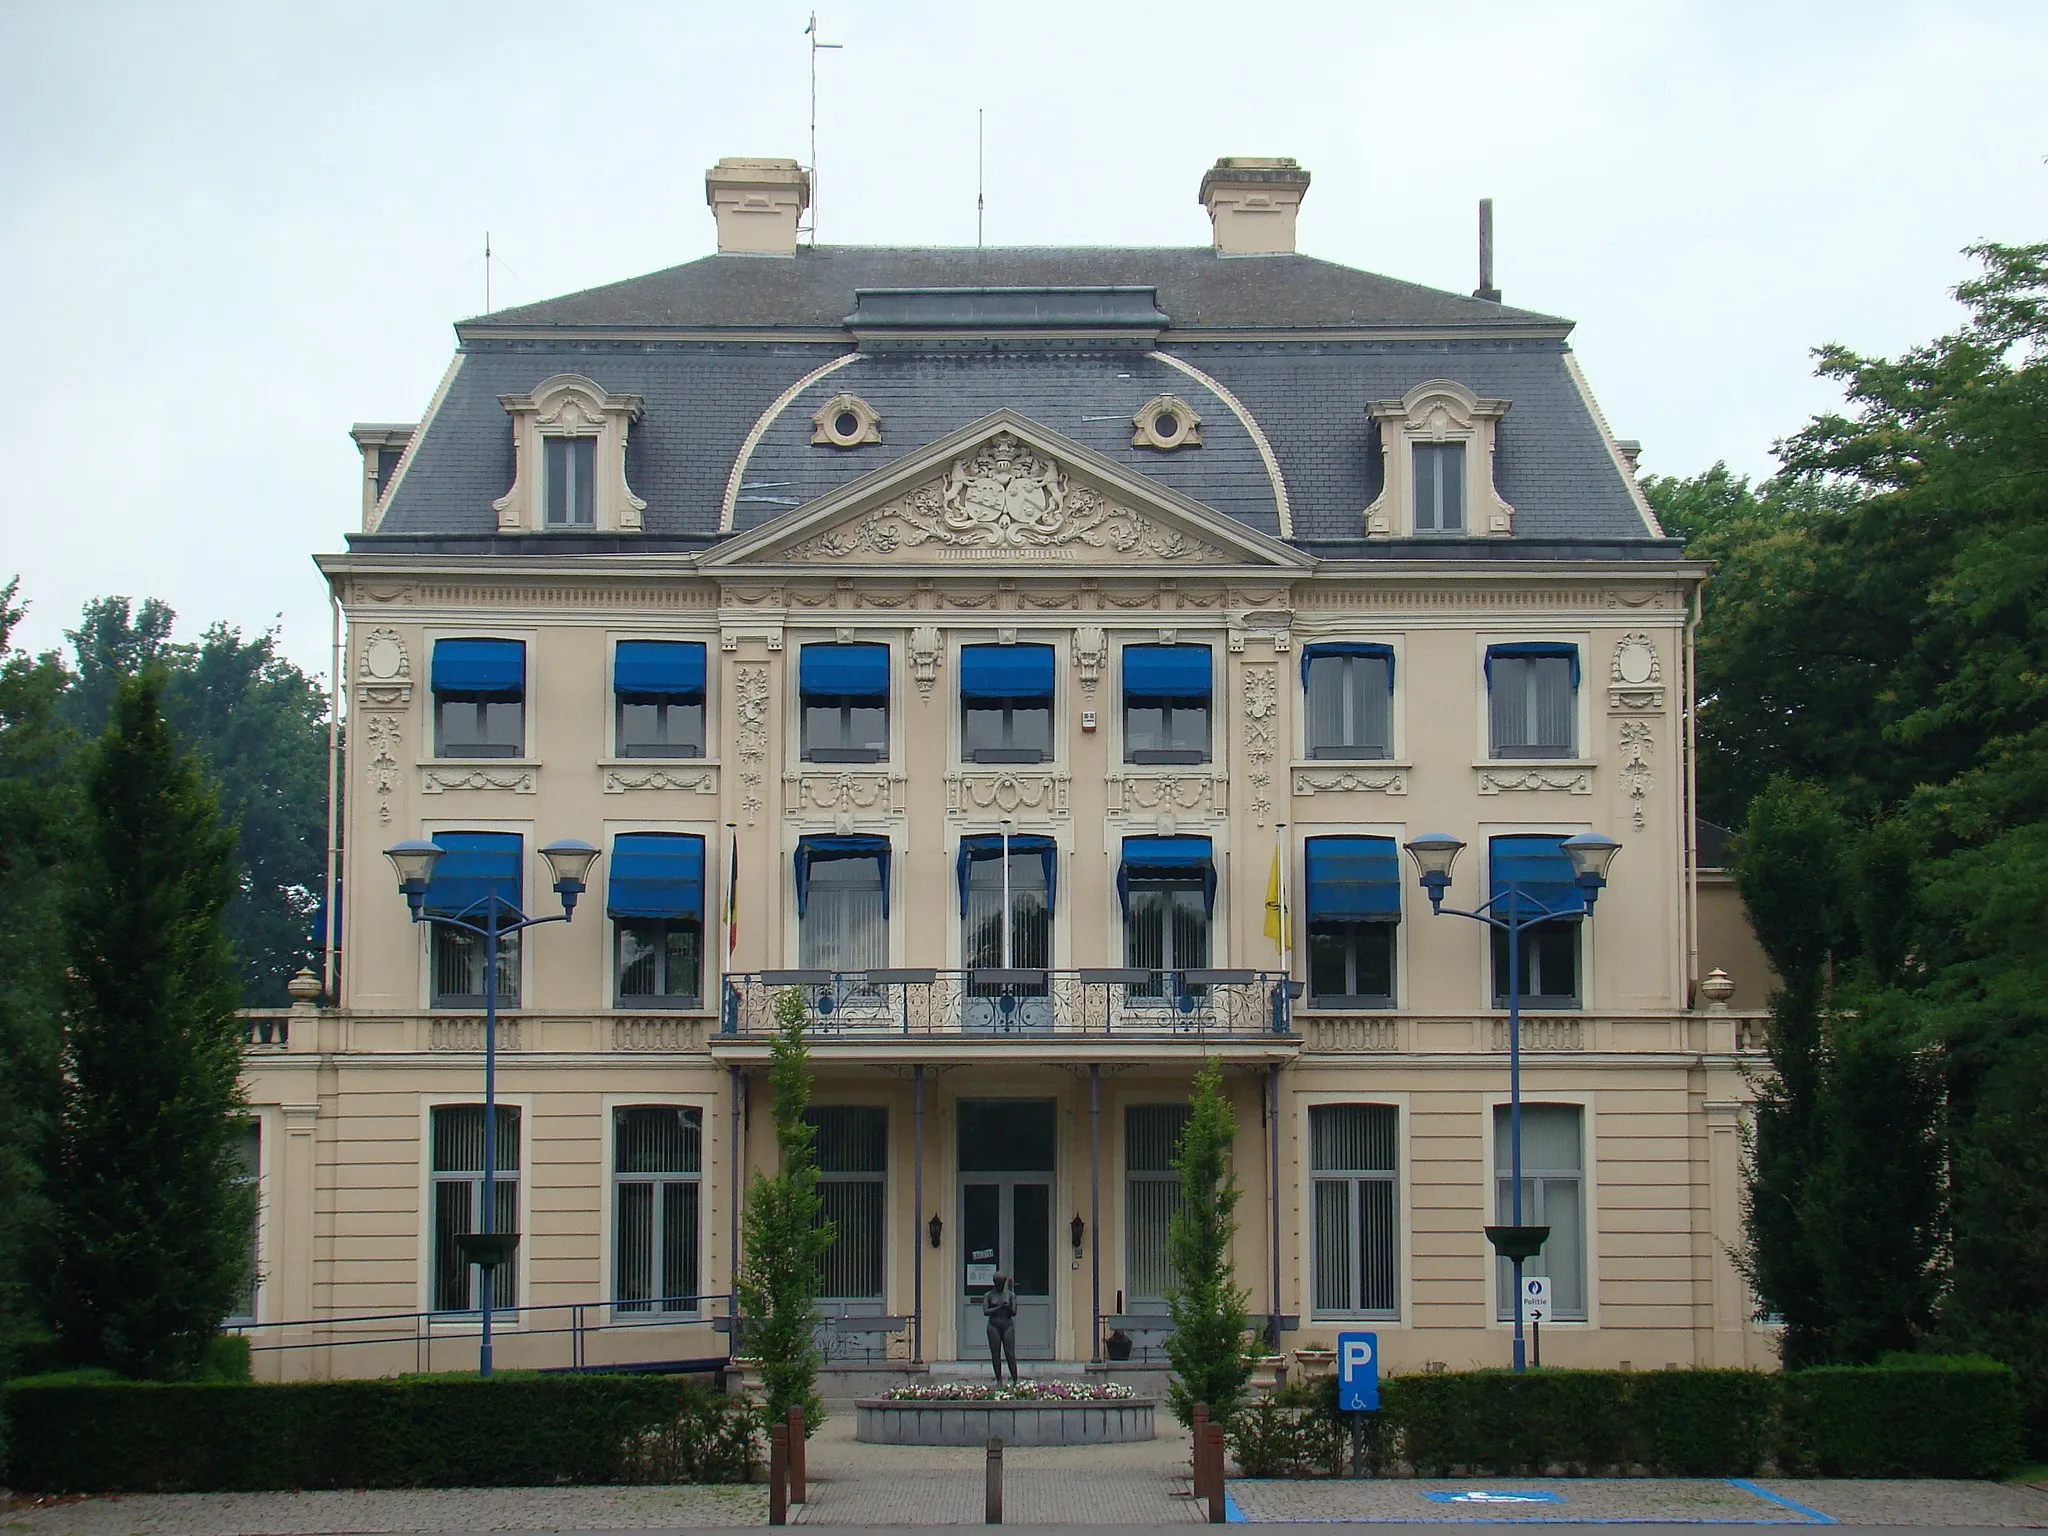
[1036,659]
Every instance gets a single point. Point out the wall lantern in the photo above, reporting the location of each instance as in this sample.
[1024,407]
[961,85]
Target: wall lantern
[1077,1229]
[936,1227]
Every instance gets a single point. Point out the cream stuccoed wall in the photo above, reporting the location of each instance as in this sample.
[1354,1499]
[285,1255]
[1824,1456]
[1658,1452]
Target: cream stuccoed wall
[344,1103]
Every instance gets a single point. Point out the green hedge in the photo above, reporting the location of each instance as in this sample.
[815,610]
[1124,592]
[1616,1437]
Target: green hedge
[1913,1417]
[420,1432]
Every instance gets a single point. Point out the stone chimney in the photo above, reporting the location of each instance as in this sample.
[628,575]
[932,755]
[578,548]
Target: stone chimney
[758,204]
[1252,201]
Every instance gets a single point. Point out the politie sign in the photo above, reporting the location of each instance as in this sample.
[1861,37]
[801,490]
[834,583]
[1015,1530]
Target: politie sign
[1358,1372]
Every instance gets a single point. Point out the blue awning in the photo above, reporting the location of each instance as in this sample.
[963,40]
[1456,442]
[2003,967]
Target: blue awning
[1348,648]
[656,874]
[474,867]
[989,845]
[480,666]
[1168,858]
[1532,649]
[1538,864]
[671,668]
[1005,672]
[817,850]
[1353,879]
[845,671]
[1166,672]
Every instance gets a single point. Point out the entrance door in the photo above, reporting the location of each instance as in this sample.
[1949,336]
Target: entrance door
[1006,1160]
[1006,1229]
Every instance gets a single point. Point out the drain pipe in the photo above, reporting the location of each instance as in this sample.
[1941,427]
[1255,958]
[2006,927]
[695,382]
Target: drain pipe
[330,974]
[917,1215]
[732,1304]
[1273,1200]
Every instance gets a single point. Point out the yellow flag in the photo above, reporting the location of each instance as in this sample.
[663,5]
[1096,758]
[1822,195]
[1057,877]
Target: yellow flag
[1276,919]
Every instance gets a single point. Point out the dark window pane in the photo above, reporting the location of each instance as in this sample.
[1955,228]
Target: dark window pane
[658,1139]
[457,965]
[679,1245]
[981,1237]
[851,1138]
[1031,1215]
[1550,964]
[1006,1135]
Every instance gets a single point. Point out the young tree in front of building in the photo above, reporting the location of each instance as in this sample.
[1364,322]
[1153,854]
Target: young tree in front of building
[149,1227]
[785,1235]
[1209,1347]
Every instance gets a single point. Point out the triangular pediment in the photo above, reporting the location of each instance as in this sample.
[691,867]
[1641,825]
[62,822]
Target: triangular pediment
[1005,490]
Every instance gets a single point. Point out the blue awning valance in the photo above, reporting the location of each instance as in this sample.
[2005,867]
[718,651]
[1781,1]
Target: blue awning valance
[480,666]
[1005,672]
[989,845]
[670,668]
[1353,879]
[845,671]
[1534,649]
[1538,865]
[656,874]
[821,849]
[1184,858]
[473,868]
[1166,671]
[1347,648]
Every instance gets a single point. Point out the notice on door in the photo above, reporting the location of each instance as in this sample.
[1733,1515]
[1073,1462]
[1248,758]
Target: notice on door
[981,1274]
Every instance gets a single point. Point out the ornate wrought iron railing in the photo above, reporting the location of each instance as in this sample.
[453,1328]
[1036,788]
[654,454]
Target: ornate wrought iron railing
[1188,1004]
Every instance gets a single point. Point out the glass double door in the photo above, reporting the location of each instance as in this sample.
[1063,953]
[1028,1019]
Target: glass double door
[1006,1229]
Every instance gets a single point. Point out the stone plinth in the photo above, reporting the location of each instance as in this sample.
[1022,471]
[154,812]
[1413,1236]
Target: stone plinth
[886,1421]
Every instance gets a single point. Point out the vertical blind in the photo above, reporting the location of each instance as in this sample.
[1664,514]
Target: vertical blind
[853,1161]
[1353,1158]
[1350,691]
[1531,694]
[657,1160]
[1553,1196]
[456,1137]
[1152,1134]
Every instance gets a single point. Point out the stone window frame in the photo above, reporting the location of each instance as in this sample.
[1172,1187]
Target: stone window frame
[1438,411]
[1146,424]
[825,423]
[570,405]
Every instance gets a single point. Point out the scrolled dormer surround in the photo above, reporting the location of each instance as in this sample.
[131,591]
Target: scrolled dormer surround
[1439,413]
[568,410]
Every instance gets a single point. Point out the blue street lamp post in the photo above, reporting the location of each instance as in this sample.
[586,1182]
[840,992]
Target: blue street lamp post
[1590,854]
[569,862]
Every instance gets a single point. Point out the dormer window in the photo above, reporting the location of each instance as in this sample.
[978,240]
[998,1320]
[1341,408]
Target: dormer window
[1437,447]
[571,471]
[569,460]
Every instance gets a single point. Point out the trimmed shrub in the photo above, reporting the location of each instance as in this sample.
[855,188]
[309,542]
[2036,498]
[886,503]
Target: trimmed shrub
[1498,1421]
[423,1432]
[1701,1423]
[1910,1416]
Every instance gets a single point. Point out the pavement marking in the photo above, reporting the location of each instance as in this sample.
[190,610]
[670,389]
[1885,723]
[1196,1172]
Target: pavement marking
[1491,1496]
[1778,1498]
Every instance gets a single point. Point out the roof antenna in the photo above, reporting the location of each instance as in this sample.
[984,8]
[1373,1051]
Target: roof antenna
[980,178]
[1486,290]
[811,31]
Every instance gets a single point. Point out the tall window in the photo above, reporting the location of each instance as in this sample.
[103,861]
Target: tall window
[1152,1135]
[1352,1157]
[655,899]
[1167,690]
[981,902]
[853,1165]
[845,697]
[1439,487]
[1532,699]
[1354,903]
[1168,886]
[457,1138]
[476,871]
[1006,703]
[1540,872]
[571,475]
[657,1192]
[1553,1196]
[842,903]
[659,688]
[1350,700]
[479,698]
[249,1151]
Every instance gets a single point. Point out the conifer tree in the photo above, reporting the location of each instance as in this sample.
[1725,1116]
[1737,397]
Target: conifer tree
[785,1239]
[148,1225]
[1209,1348]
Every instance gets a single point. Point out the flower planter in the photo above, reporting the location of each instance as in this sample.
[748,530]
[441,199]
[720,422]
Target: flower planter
[1043,1421]
[1315,1362]
[1269,1374]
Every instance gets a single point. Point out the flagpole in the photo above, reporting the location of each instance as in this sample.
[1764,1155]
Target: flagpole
[1286,930]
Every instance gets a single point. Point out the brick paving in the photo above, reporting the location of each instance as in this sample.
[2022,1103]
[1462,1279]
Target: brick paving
[389,1511]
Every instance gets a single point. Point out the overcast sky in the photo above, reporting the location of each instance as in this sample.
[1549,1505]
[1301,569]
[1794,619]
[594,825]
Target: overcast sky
[227,231]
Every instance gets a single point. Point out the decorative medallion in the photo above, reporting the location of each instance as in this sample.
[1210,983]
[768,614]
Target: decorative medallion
[387,671]
[1636,677]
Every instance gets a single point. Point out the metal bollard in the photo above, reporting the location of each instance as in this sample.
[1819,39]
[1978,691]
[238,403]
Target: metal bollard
[1200,1428]
[992,1483]
[1216,1512]
[778,1475]
[797,1484]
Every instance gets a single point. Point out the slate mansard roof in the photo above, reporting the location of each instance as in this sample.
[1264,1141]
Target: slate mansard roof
[1279,356]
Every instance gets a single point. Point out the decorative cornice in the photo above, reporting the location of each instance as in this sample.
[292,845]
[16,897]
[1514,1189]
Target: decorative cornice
[971,792]
[437,779]
[623,777]
[1505,781]
[1350,781]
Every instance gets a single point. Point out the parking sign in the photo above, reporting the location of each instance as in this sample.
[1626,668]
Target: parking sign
[1535,1298]
[1358,1372]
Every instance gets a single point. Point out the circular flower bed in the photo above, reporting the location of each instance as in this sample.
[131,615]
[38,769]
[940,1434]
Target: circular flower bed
[1013,1392]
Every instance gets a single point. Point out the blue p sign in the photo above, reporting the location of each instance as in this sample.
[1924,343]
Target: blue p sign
[1358,1372]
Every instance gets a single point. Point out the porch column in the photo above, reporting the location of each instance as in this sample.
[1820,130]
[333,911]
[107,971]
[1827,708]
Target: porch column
[732,1300]
[1095,1212]
[1273,1203]
[917,1216]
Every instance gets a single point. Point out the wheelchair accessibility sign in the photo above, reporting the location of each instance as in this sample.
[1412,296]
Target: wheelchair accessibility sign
[1492,1496]
[1358,1372]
